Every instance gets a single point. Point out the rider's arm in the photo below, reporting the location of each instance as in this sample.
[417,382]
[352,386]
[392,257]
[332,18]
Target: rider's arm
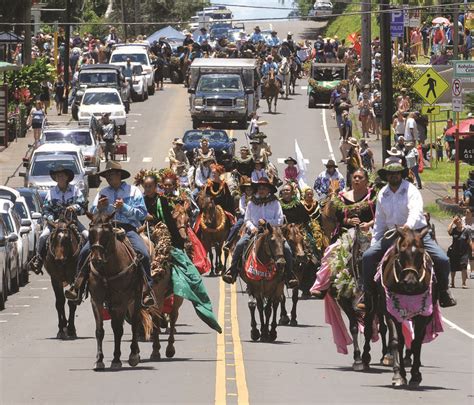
[79,202]
[276,216]
[415,208]
[248,219]
[135,206]
[48,213]
[380,225]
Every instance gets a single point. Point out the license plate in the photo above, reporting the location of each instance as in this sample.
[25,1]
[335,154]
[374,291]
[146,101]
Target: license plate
[219,114]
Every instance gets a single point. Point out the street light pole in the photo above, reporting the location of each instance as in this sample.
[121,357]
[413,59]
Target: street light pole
[387,86]
[67,39]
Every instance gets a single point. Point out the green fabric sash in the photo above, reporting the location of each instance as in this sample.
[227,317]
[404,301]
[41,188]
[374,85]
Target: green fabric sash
[187,283]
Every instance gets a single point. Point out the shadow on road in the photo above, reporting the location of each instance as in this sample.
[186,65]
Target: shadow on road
[178,359]
[408,388]
[372,370]
[115,370]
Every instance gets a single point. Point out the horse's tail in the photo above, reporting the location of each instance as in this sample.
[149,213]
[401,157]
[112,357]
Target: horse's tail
[147,322]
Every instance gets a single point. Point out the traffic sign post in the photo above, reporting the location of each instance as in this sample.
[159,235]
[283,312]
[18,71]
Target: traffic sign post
[431,86]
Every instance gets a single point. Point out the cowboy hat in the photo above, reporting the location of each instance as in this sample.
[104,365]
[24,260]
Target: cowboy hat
[392,165]
[331,163]
[114,166]
[264,182]
[395,152]
[259,135]
[257,28]
[61,169]
[178,141]
[290,159]
[352,141]
[245,182]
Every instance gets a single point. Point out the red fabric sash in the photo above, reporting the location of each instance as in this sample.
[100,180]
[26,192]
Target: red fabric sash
[257,271]
[200,259]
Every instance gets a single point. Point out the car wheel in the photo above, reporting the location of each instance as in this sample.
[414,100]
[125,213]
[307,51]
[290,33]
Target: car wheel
[311,103]
[145,95]
[123,129]
[15,285]
[24,277]
[3,293]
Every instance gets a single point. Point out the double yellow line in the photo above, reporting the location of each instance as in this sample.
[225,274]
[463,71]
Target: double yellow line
[230,369]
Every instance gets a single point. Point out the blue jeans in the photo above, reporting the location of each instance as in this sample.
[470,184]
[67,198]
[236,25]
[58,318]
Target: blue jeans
[374,255]
[239,255]
[138,246]
[415,172]
[235,228]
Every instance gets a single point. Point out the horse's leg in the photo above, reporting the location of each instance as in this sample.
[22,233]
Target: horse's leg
[294,299]
[254,333]
[71,327]
[134,357]
[170,350]
[117,327]
[263,335]
[397,344]
[420,330]
[368,322]
[218,258]
[60,303]
[268,314]
[354,328]
[284,319]
[273,331]
[155,354]
[211,259]
[99,332]
[269,102]
[276,100]
[407,358]
[387,358]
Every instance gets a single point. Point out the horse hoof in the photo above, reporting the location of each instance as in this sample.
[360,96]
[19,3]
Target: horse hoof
[415,381]
[116,365]
[293,322]
[254,335]
[170,351]
[387,360]
[155,356]
[61,335]
[366,366]
[398,381]
[407,361]
[358,366]
[264,337]
[133,359]
[71,334]
[99,366]
[284,320]
[272,336]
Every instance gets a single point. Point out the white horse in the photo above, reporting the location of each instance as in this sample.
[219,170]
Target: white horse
[284,75]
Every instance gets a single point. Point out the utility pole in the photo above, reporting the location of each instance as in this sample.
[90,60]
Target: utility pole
[27,43]
[456,33]
[387,87]
[67,40]
[125,34]
[366,56]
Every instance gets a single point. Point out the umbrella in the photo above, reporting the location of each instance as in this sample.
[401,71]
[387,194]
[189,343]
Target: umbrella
[463,127]
[441,21]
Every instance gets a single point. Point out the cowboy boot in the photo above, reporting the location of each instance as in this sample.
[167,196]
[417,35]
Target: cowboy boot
[446,299]
[74,292]
[148,297]
[36,264]
[229,276]
[319,295]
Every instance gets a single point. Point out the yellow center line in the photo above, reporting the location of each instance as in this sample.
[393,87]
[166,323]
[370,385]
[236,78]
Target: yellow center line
[242,390]
[220,363]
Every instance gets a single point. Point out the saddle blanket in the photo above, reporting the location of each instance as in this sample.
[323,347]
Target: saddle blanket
[257,271]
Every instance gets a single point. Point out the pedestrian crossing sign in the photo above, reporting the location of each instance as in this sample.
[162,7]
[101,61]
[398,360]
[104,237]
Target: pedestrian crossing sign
[430,109]
[430,86]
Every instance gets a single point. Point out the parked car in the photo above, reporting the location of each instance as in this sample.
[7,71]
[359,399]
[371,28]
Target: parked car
[219,140]
[139,53]
[81,137]
[20,227]
[139,89]
[99,101]
[21,208]
[35,204]
[9,261]
[37,175]
[322,9]
[100,75]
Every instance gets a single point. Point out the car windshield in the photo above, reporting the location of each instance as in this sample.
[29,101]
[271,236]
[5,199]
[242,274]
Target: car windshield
[30,201]
[220,83]
[212,136]
[43,167]
[134,57]
[96,78]
[21,210]
[100,98]
[328,74]
[80,138]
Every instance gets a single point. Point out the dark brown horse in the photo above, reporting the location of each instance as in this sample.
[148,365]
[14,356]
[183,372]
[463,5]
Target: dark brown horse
[328,213]
[116,280]
[268,250]
[271,90]
[407,271]
[215,227]
[63,247]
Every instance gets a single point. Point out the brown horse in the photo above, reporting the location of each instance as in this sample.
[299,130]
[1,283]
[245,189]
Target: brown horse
[215,226]
[407,271]
[115,280]
[268,249]
[271,90]
[63,247]
[304,268]
[181,217]
[295,70]
[163,288]
[328,213]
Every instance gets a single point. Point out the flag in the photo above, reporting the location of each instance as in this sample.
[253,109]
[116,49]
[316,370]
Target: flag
[301,166]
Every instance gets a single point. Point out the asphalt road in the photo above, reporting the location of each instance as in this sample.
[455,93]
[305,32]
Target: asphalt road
[302,366]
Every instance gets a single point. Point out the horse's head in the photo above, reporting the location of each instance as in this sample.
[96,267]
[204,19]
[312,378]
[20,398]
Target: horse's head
[208,207]
[60,242]
[272,242]
[410,267]
[334,187]
[294,234]
[101,237]
[181,217]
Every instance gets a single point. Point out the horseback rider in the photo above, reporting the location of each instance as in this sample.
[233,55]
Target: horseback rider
[323,181]
[243,165]
[60,199]
[273,40]
[218,189]
[264,207]
[177,155]
[203,152]
[267,66]
[293,209]
[204,36]
[400,203]
[130,210]
[256,36]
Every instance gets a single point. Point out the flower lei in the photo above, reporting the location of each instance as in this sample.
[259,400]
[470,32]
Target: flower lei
[263,201]
[365,203]
[144,173]
[210,187]
[289,205]
[220,225]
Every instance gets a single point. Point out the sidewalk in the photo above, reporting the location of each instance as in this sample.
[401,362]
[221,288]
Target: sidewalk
[11,157]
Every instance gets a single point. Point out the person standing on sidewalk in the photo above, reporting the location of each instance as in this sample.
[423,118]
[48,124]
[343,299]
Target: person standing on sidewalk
[459,252]
[367,156]
[412,159]
[377,111]
[398,124]
[59,94]
[411,131]
[36,119]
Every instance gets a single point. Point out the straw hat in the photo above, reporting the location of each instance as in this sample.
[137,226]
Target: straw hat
[114,167]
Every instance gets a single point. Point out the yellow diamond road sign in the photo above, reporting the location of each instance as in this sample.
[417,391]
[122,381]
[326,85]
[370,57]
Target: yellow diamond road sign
[430,86]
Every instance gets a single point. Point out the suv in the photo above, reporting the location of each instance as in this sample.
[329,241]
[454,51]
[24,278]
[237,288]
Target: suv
[100,75]
[137,53]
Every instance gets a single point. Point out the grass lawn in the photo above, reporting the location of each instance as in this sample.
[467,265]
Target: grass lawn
[344,25]
[444,173]
[437,212]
